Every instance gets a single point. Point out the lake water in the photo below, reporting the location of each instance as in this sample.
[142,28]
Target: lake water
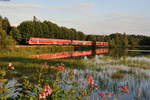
[110,69]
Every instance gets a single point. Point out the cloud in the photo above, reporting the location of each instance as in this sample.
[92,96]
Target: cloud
[104,24]
[21,12]
[77,8]
[19,6]
[85,7]
[127,22]
[110,23]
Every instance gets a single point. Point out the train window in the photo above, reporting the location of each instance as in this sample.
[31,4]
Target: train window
[34,40]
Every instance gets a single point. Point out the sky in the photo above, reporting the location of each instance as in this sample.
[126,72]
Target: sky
[98,17]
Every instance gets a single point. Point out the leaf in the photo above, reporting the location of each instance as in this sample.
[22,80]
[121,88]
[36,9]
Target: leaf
[31,98]
[3,80]
[6,96]
[3,72]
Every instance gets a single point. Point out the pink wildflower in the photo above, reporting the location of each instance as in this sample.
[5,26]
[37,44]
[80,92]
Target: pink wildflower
[90,79]
[45,92]
[61,69]
[46,67]
[124,89]
[42,96]
[45,64]
[9,64]
[13,68]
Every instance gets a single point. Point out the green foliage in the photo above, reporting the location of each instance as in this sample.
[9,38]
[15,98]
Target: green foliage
[4,89]
[15,34]
[118,40]
[112,43]
[37,25]
[125,40]
[26,29]
[1,22]
[81,35]
[65,85]
[6,42]
[91,38]
[6,25]
[25,90]
[47,29]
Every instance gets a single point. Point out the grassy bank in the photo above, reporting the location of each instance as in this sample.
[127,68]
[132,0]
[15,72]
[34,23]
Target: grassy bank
[24,63]
[25,51]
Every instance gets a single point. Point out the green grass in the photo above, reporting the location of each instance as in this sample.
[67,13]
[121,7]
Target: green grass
[27,51]
[29,67]
[21,58]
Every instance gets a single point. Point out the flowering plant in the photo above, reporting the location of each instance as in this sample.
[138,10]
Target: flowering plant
[3,81]
[65,86]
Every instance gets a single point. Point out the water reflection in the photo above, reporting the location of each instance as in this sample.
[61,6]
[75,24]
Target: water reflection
[132,68]
[103,77]
[122,52]
[71,54]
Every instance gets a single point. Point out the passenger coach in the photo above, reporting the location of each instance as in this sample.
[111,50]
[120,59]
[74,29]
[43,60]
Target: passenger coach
[43,41]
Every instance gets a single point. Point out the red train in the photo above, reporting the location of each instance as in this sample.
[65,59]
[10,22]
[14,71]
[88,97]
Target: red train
[33,40]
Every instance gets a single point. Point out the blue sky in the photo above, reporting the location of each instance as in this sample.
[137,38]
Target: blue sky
[90,16]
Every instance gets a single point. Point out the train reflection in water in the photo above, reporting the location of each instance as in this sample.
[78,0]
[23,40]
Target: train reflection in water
[71,54]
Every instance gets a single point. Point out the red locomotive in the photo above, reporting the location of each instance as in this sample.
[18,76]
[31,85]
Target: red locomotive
[48,41]
[33,40]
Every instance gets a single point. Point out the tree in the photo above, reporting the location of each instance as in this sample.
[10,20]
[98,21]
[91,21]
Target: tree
[6,25]
[112,43]
[14,32]
[91,38]
[49,24]
[1,22]
[6,42]
[55,30]
[73,33]
[125,42]
[44,30]
[26,30]
[38,28]
[81,35]
[35,19]
[99,38]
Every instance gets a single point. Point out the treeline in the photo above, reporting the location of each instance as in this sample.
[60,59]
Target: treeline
[48,29]
[124,40]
